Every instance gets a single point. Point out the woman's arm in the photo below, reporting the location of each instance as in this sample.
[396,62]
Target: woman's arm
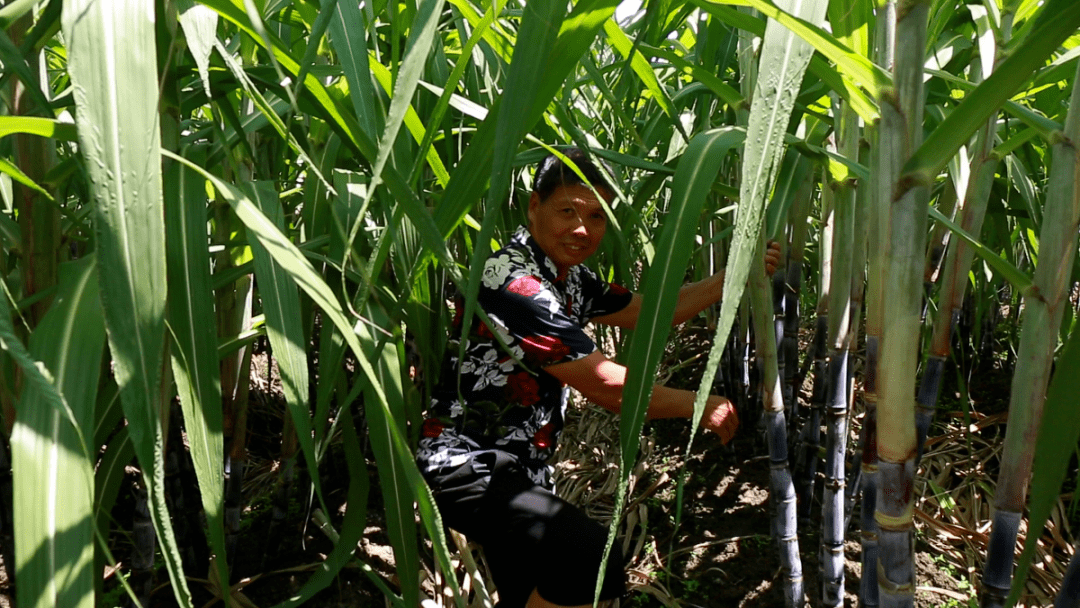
[693,297]
[601,381]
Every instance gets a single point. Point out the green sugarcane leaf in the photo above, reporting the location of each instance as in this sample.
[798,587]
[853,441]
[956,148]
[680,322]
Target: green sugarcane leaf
[793,173]
[413,123]
[978,105]
[16,174]
[501,46]
[300,270]
[14,61]
[846,85]
[1058,435]
[108,478]
[414,208]
[194,354]
[43,127]
[467,183]
[109,65]
[200,30]
[397,492]
[692,182]
[1019,279]
[350,44]
[281,305]
[408,76]
[644,71]
[722,90]
[13,10]
[52,465]
[269,111]
[421,36]
[784,58]
[446,93]
[321,24]
[861,70]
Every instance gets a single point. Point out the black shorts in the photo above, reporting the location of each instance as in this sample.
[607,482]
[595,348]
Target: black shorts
[532,538]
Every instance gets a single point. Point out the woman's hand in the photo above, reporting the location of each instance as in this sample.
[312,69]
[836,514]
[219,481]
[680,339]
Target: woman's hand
[772,257]
[720,418]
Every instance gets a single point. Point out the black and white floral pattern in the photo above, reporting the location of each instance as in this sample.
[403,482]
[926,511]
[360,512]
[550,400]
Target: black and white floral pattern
[506,401]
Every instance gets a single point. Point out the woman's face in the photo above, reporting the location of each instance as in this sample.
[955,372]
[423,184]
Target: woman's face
[568,225]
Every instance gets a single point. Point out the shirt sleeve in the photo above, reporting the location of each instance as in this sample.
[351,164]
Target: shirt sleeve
[525,309]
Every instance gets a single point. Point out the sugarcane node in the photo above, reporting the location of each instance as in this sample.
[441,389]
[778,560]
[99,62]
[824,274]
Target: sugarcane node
[908,182]
[892,523]
[890,587]
[1033,292]
[1057,136]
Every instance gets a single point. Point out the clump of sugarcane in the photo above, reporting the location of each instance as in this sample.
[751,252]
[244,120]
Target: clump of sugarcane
[958,260]
[1044,304]
[904,244]
[781,487]
[840,336]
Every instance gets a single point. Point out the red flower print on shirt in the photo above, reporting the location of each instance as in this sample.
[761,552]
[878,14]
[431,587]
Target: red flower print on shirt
[433,427]
[544,349]
[523,389]
[527,286]
[542,438]
[617,289]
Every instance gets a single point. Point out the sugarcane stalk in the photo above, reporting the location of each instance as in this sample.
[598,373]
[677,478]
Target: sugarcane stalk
[797,215]
[1044,304]
[144,545]
[958,262]
[839,342]
[901,133]
[782,488]
[810,436]
[884,166]
[1069,595]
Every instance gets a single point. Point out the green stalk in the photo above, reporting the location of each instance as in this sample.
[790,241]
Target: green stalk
[958,262]
[884,166]
[904,243]
[1044,304]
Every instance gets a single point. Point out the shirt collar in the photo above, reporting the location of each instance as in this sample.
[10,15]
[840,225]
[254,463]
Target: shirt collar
[547,267]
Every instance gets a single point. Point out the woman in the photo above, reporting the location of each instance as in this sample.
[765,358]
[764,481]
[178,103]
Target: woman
[496,414]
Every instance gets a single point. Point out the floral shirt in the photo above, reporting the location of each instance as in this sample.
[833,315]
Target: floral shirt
[507,402]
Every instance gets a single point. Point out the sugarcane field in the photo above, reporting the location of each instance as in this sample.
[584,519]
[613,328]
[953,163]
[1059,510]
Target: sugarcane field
[504,303]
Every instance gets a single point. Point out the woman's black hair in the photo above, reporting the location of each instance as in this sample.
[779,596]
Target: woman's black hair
[552,172]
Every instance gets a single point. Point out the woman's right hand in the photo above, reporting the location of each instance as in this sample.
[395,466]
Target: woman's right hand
[720,418]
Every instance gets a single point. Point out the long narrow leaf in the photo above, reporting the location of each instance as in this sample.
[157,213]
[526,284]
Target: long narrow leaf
[109,64]
[774,98]
[943,142]
[398,494]
[300,270]
[43,127]
[281,305]
[52,465]
[194,356]
[692,182]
